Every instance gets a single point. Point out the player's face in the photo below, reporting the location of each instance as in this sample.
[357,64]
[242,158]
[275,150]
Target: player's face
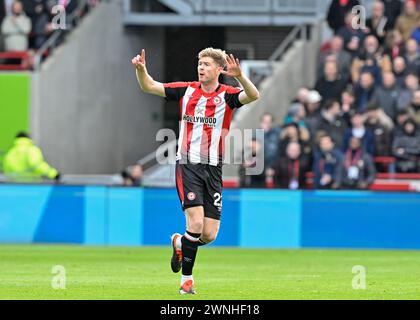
[208,70]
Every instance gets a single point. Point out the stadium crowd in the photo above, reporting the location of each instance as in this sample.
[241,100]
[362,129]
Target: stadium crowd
[363,114]
[25,25]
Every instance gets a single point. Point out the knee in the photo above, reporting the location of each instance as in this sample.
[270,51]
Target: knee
[195,225]
[209,236]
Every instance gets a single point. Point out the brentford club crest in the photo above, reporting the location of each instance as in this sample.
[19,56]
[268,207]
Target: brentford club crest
[191,196]
[217,100]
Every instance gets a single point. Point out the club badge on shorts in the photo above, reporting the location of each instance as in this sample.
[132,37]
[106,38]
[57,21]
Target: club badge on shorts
[191,196]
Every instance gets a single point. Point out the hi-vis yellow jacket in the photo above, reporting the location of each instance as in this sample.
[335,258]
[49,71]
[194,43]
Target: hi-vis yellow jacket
[25,161]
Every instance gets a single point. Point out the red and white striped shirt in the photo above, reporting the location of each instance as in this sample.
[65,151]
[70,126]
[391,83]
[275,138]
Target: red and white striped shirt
[204,120]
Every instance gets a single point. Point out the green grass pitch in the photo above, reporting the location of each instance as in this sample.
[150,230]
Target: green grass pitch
[221,273]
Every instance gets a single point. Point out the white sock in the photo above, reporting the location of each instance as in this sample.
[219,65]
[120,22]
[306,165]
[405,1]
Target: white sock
[186,278]
[178,243]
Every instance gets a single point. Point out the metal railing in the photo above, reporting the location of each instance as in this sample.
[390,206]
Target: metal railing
[312,7]
[150,164]
[258,70]
[203,7]
[258,6]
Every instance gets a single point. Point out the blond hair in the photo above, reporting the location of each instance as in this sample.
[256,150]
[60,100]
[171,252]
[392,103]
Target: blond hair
[218,55]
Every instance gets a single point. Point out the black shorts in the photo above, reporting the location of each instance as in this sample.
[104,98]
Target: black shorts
[200,185]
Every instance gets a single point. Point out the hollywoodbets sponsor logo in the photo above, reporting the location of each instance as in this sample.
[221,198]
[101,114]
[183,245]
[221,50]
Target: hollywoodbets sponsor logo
[211,122]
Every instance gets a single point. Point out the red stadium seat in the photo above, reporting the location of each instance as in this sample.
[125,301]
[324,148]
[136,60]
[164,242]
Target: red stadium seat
[22,55]
[230,183]
[385,161]
[398,176]
[390,187]
[383,182]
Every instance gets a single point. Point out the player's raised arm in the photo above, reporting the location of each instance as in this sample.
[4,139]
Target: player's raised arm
[233,69]
[146,82]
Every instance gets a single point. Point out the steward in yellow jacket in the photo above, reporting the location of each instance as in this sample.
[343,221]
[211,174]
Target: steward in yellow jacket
[24,161]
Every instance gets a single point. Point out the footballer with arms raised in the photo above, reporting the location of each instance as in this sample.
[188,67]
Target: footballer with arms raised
[206,109]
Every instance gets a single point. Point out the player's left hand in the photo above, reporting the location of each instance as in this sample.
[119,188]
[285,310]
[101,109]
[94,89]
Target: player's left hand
[233,67]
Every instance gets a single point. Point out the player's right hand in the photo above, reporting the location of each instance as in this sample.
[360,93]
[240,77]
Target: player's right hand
[139,62]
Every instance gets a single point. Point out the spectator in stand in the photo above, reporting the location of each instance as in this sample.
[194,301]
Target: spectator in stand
[16,28]
[352,37]
[408,20]
[296,115]
[8,4]
[381,126]
[69,5]
[292,133]
[332,122]
[405,94]
[394,45]
[378,24]
[302,95]
[400,119]
[399,67]
[25,162]
[341,57]
[289,133]
[359,168]
[406,148]
[370,59]
[331,85]
[414,107]
[370,65]
[252,181]
[2,10]
[271,138]
[133,175]
[393,9]
[359,130]
[416,33]
[337,12]
[386,95]
[313,111]
[289,172]
[412,56]
[328,165]
[364,91]
[347,101]
[39,12]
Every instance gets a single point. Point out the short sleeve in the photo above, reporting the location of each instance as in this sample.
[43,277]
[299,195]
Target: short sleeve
[232,98]
[174,91]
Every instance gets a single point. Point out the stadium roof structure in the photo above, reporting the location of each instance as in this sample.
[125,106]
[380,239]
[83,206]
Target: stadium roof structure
[224,12]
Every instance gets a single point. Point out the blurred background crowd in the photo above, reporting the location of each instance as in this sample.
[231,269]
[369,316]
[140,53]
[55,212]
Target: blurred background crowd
[25,25]
[363,114]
